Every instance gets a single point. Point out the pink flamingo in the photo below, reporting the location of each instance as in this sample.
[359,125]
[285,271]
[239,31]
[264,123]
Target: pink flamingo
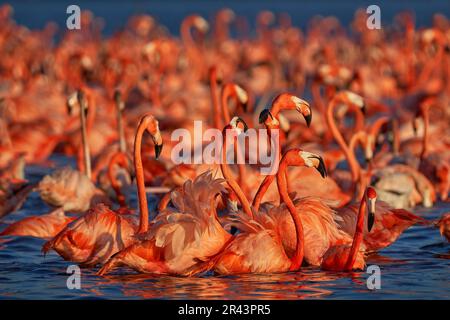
[101,232]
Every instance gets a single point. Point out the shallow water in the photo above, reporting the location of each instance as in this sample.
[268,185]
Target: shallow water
[414,267]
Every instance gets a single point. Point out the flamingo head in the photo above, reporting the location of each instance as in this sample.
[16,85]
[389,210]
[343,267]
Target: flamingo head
[238,125]
[227,15]
[118,99]
[304,108]
[201,24]
[71,103]
[242,95]
[371,198]
[311,160]
[267,118]
[81,97]
[352,98]
[151,125]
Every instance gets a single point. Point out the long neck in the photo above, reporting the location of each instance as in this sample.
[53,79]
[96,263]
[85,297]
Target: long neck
[355,139]
[215,97]
[376,126]
[262,191]
[297,259]
[84,141]
[232,182]
[121,132]
[143,222]
[340,140]
[430,66]
[318,100]
[117,159]
[90,120]
[358,236]
[226,93]
[186,33]
[5,138]
[426,123]
[264,186]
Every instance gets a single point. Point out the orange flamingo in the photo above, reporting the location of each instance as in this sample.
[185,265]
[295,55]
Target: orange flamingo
[350,257]
[444,226]
[259,247]
[170,246]
[101,232]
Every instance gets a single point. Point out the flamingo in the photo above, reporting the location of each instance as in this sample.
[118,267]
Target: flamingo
[101,232]
[180,240]
[444,225]
[349,257]
[71,189]
[324,188]
[259,247]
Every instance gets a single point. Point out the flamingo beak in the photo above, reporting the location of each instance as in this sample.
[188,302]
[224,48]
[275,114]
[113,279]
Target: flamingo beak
[245,106]
[371,216]
[264,115]
[364,109]
[321,166]
[308,119]
[158,149]
[240,120]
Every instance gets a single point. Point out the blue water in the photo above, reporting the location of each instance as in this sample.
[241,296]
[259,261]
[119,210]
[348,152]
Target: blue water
[412,268]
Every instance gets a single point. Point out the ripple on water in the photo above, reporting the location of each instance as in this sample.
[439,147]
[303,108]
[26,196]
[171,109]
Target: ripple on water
[410,269]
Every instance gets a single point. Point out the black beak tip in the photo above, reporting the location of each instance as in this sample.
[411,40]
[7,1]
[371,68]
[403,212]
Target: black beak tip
[263,116]
[308,119]
[158,149]
[370,221]
[245,106]
[364,109]
[243,123]
[322,169]
[117,96]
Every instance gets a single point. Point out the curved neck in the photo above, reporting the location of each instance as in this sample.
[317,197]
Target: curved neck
[297,259]
[186,33]
[119,159]
[84,140]
[426,123]
[215,97]
[90,119]
[358,186]
[431,65]
[226,94]
[353,164]
[264,186]
[120,128]
[377,125]
[317,98]
[226,172]
[358,236]
[139,170]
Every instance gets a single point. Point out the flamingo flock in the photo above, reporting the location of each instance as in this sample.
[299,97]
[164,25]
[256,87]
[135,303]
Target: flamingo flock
[372,142]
